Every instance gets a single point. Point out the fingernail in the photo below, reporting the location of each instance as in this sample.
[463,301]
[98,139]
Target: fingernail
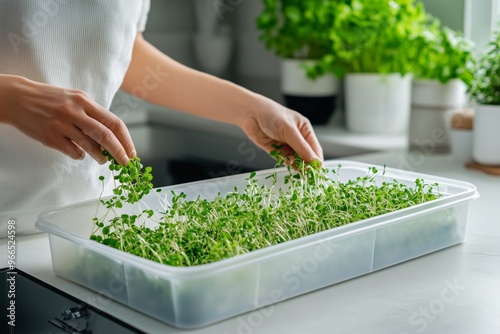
[133,154]
[125,159]
[318,159]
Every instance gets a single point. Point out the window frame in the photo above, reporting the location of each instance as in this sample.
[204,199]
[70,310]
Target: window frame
[480,21]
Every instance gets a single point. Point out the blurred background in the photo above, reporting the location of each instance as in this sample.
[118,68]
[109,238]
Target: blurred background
[222,37]
[172,25]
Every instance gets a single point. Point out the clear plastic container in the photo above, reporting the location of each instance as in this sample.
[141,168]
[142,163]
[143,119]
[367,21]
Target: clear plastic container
[191,297]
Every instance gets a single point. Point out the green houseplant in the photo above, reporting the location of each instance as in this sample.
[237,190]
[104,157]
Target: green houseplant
[443,54]
[371,47]
[486,86]
[486,92]
[444,69]
[297,32]
[373,36]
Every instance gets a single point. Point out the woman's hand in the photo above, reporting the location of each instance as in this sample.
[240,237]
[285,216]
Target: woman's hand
[63,119]
[272,124]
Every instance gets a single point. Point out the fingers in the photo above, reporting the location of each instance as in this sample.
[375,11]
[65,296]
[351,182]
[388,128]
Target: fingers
[301,138]
[74,142]
[278,125]
[105,138]
[308,134]
[301,146]
[70,149]
[101,128]
[87,144]
[67,120]
[118,129]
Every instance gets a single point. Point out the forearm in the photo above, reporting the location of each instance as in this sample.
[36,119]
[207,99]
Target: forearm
[7,84]
[165,82]
[159,79]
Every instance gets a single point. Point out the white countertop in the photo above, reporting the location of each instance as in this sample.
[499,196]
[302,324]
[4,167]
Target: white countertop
[456,290]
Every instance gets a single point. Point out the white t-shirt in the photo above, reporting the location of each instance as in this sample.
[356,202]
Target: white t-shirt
[77,44]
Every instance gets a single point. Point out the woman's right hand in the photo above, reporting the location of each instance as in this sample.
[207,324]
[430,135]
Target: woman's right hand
[67,120]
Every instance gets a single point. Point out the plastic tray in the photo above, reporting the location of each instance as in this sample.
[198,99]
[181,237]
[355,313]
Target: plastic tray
[191,297]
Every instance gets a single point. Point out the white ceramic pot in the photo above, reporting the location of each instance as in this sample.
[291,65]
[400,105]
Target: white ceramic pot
[486,135]
[432,103]
[377,103]
[427,93]
[314,98]
[294,80]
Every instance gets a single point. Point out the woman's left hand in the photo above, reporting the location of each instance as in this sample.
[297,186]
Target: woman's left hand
[271,124]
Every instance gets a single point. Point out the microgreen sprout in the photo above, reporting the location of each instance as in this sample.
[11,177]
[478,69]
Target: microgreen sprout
[200,231]
[131,184]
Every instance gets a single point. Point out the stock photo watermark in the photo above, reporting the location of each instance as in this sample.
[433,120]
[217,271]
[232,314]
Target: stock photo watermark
[152,79]
[11,273]
[32,25]
[114,287]
[291,280]
[422,149]
[421,319]
[223,6]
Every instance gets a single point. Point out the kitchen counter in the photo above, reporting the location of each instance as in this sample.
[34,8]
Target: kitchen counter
[455,290]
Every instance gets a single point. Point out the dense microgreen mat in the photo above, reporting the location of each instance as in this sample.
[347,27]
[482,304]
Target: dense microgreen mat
[307,200]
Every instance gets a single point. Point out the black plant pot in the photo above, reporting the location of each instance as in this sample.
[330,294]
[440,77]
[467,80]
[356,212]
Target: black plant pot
[314,98]
[318,110]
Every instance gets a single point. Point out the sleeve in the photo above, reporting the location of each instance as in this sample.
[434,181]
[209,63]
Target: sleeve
[143,19]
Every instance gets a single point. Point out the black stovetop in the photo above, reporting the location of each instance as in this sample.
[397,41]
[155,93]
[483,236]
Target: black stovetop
[41,308]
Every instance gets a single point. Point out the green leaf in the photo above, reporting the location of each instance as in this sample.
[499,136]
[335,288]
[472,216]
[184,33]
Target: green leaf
[486,83]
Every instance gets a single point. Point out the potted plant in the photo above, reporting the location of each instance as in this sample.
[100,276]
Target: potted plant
[370,47]
[297,31]
[486,93]
[443,72]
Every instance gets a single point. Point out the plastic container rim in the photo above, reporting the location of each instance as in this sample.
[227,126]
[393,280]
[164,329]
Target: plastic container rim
[337,233]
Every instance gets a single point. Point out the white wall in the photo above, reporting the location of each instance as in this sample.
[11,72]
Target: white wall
[481,18]
[450,12]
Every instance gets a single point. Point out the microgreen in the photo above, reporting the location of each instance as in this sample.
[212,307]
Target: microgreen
[200,231]
[131,184]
